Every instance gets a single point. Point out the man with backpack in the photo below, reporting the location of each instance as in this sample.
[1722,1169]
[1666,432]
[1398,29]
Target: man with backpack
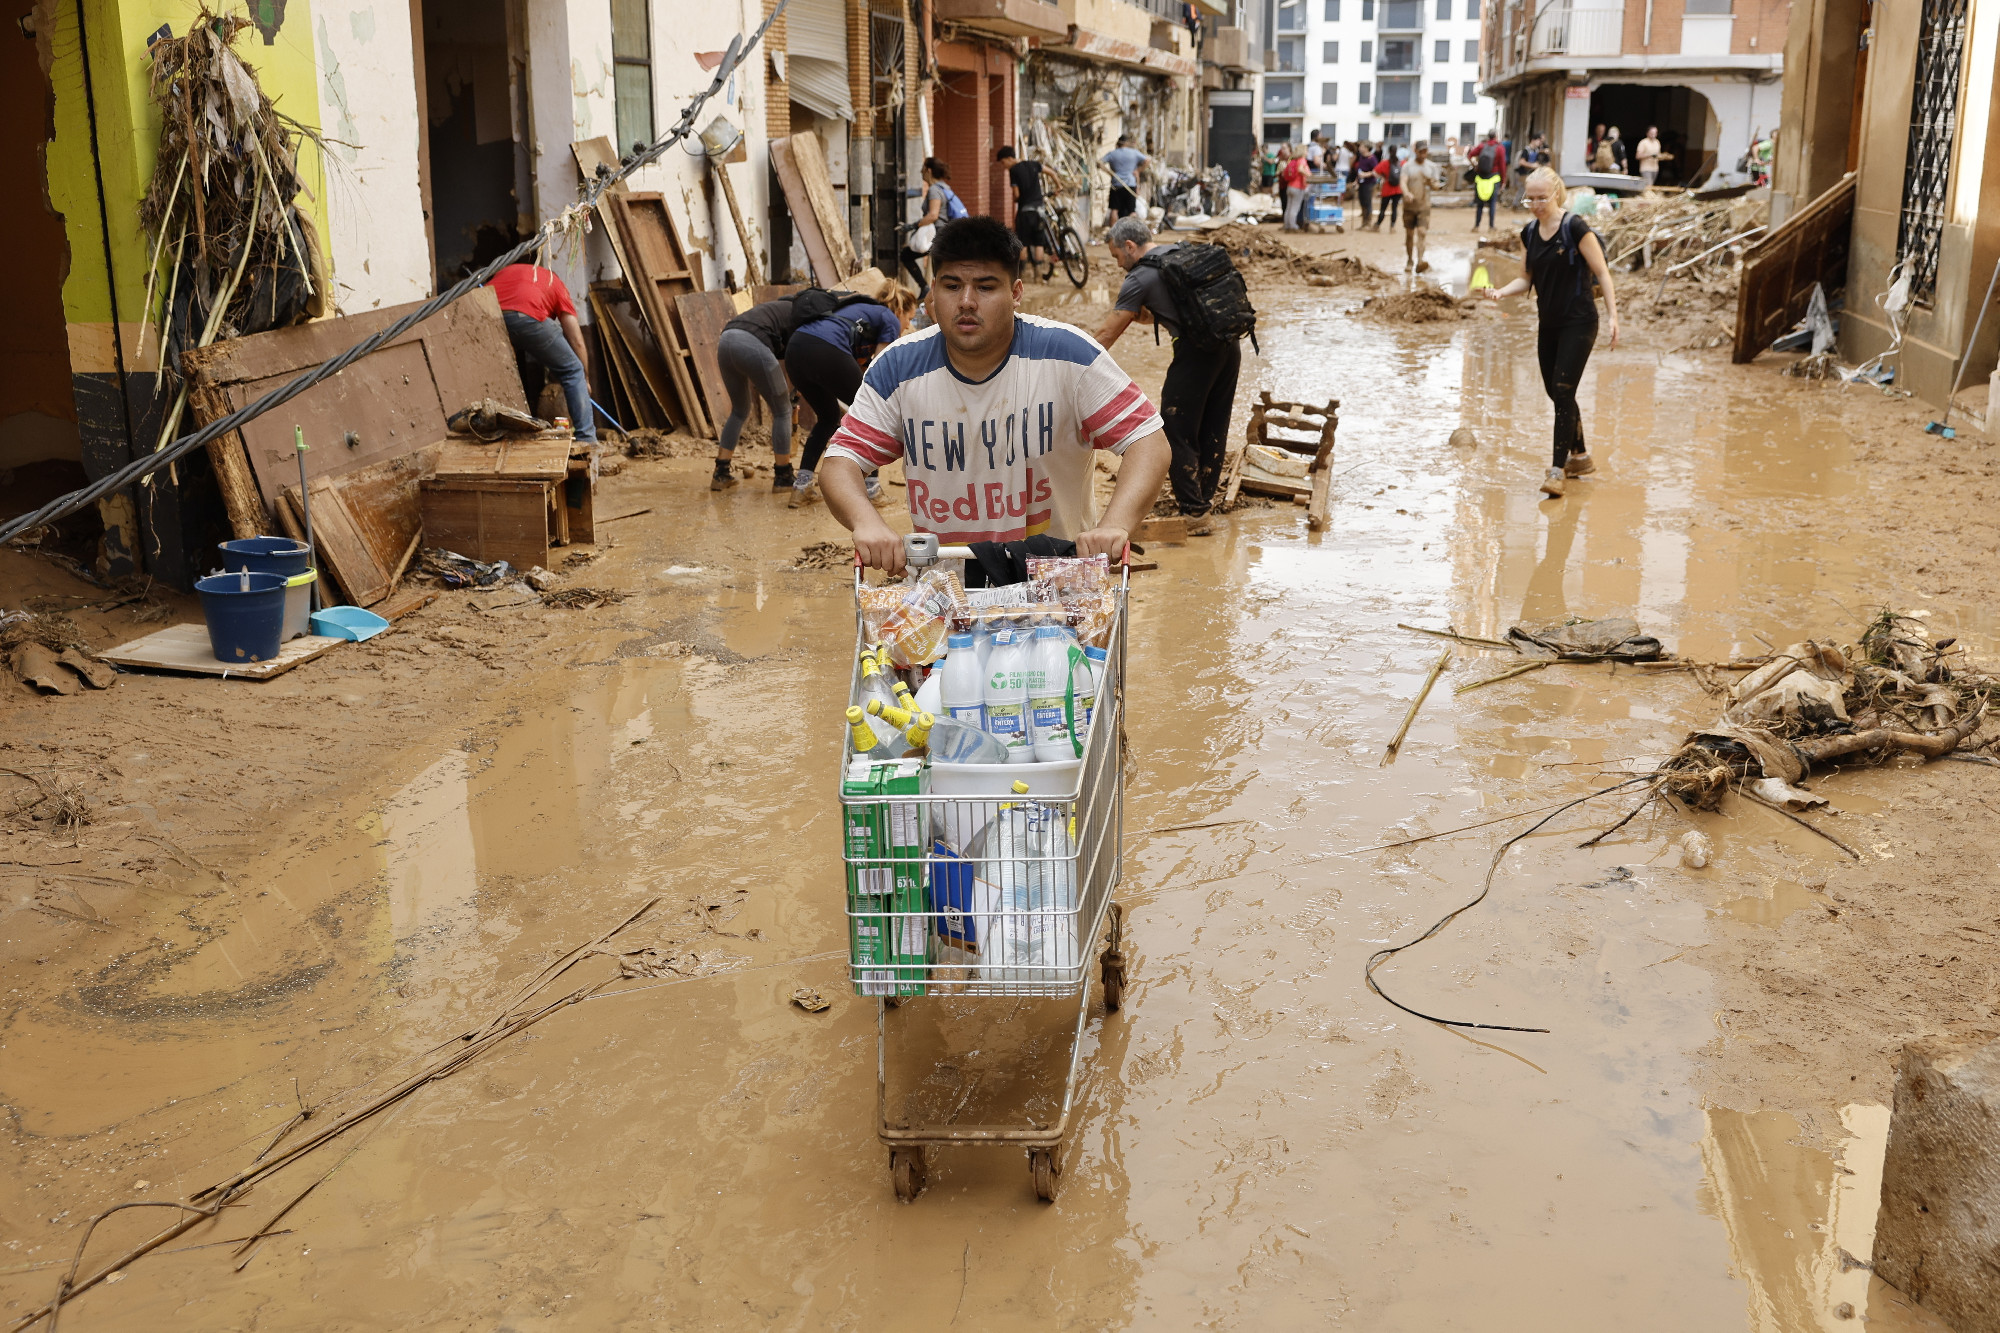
[1195,293]
[831,334]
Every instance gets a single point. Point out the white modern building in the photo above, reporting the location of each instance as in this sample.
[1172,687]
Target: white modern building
[1401,70]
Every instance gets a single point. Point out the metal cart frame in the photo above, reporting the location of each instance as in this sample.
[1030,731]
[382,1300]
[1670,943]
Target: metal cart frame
[1095,810]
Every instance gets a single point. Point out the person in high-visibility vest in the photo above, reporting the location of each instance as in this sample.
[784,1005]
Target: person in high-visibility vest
[1486,194]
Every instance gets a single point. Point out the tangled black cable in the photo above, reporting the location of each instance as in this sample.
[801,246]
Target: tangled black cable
[139,467]
[1381,956]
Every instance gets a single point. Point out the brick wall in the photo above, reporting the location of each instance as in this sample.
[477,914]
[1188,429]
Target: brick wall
[777,97]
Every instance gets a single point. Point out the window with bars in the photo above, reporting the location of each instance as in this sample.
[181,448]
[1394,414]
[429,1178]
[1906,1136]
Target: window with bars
[1933,128]
[631,73]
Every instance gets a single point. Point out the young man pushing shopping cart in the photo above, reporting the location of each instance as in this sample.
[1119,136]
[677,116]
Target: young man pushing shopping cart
[995,415]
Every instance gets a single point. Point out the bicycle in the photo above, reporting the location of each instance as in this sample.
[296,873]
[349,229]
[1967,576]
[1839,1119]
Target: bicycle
[1061,239]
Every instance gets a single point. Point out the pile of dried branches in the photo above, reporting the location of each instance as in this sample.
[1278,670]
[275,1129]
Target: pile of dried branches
[232,254]
[1896,692]
[1673,229]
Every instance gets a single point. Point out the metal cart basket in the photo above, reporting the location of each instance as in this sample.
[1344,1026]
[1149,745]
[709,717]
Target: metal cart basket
[989,894]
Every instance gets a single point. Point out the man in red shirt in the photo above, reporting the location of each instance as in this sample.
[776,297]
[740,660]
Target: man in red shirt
[542,325]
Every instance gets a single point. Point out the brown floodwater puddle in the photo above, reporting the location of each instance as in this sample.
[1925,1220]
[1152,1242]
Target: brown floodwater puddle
[1258,1137]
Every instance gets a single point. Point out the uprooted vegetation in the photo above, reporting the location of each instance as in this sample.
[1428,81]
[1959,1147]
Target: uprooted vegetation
[1814,705]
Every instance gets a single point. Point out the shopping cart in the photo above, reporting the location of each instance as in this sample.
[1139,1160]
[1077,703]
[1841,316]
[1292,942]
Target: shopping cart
[1020,922]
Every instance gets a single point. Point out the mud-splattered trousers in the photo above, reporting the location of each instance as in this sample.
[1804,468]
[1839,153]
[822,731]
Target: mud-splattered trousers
[1200,389]
[1564,347]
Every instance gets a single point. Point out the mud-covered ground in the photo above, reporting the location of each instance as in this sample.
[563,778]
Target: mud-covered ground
[290,894]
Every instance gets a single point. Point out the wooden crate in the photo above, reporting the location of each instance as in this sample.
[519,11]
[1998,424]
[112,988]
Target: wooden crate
[491,518]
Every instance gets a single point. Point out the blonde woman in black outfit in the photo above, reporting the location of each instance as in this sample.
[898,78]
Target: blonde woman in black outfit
[1563,262]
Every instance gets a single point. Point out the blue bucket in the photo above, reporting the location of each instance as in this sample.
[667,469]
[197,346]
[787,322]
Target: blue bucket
[245,614]
[266,555]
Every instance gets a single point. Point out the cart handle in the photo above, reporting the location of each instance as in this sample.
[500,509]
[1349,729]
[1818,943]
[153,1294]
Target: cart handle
[921,550]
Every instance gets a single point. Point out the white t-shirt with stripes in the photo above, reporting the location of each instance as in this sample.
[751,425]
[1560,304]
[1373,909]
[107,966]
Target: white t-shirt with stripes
[1005,457]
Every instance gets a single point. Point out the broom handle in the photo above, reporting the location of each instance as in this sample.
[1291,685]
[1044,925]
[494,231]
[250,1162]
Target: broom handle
[305,507]
[1966,355]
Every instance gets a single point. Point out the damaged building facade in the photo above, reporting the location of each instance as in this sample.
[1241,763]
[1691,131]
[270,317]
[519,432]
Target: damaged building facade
[1899,94]
[1708,73]
[433,132]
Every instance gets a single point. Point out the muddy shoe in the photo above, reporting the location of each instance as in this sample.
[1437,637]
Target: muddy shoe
[1580,464]
[781,477]
[805,491]
[723,477]
[1554,484]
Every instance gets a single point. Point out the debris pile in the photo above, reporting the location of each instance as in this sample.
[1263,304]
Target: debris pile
[1896,692]
[825,555]
[1425,305]
[1657,229]
[1260,256]
[231,253]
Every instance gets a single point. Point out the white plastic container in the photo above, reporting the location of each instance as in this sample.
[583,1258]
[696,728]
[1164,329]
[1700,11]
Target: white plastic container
[963,684]
[1048,694]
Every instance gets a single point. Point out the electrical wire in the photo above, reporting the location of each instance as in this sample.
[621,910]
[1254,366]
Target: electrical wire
[1381,956]
[64,505]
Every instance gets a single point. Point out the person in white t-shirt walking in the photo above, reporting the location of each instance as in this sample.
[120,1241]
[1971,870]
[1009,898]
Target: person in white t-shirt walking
[1649,156]
[996,415]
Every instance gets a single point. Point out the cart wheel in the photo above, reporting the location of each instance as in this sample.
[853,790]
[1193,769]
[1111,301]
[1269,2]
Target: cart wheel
[1042,1167]
[906,1169]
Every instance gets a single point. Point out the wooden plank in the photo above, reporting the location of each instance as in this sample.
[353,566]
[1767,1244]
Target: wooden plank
[809,158]
[805,225]
[661,269]
[381,503]
[241,500]
[646,408]
[1172,531]
[527,458]
[703,314]
[340,547]
[751,268]
[394,400]
[405,602]
[580,502]
[186,648]
[1778,272]
[1321,471]
[490,519]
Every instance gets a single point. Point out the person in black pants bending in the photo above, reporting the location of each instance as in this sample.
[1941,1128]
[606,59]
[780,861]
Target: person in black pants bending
[824,360]
[1200,387]
[1564,260]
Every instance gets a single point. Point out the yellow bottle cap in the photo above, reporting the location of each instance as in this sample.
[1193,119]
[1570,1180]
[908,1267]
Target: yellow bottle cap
[920,730]
[1020,788]
[854,713]
[899,718]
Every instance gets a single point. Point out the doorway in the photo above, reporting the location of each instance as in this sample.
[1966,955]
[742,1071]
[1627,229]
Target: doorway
[1687,125]
[474,92]
[1232,137]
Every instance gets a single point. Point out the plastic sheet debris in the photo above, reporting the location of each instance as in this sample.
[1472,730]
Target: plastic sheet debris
[462,571]
[1611,639]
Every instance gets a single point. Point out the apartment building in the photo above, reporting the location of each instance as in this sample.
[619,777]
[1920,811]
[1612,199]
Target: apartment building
[1706,72]
[1400,70]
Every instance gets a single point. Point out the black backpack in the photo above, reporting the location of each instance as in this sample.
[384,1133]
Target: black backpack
[1396,171]
[1569,245]
[1486,160]
[1209,293]
[817,303]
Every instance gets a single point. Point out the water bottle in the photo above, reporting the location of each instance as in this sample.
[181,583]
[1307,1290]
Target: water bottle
[863,738]
[875,683]
[1025,856]
[963,683]
[930,694]
[894,741]
[956,742]
[1048,694]
[1006,695]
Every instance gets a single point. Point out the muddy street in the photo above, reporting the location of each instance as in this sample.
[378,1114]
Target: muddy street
[365,860]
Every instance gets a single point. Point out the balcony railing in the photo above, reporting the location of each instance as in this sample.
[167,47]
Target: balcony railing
[1562,31]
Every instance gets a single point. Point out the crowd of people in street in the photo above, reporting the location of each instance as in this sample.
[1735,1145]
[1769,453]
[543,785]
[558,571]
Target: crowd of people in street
[994,413]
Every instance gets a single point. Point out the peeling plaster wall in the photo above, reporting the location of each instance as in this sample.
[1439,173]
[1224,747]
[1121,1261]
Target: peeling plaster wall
[368,106]
[569,70]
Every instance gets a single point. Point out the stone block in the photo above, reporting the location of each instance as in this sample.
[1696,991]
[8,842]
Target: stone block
[1937,1237]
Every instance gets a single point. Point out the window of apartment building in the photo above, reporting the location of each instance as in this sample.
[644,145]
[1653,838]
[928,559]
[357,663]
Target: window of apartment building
[1333,11]
[1367,11]
[631,73]
[1441,53]
[1444,11]
[1291,18]
[1472,9]
[1708,7]
[1469,93]
[1291,55]
[1440,94]
[1933,127]
[1329,94]
[1398,54]
[1367,93]
[1329,52]
[1467,131]
[1437,134]
[1329,132]
[1472,50]
[1402,15]
[1399,95]
[1368,53]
